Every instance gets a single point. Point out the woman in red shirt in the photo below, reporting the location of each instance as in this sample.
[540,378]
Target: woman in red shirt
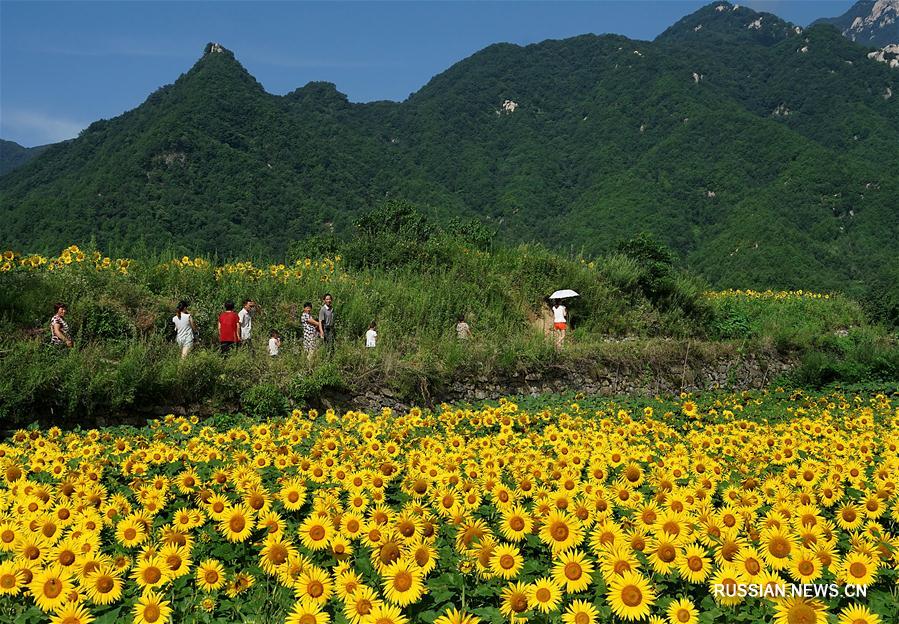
[228,327]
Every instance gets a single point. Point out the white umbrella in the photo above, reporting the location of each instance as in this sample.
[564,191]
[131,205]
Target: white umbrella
[564,294]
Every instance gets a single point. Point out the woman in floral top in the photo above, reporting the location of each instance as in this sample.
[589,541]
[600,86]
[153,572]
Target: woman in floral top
[312,330]
[59,329]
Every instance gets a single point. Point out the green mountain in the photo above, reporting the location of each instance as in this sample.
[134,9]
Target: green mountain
[765,155]
[13,155]
[873,23]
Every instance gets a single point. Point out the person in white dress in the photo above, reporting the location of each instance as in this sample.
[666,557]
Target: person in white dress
[274,344]
[371,336]
[185,327]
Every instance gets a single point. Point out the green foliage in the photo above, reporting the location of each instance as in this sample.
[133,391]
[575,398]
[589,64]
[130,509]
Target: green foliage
[264,401]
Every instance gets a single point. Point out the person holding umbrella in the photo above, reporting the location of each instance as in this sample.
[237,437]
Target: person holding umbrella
[560,314]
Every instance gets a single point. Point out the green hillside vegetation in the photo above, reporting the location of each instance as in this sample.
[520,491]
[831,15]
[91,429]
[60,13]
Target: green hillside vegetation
[413,276]
[13,155]
[764,157]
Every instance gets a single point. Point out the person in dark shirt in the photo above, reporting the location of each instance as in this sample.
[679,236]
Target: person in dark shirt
[229,335]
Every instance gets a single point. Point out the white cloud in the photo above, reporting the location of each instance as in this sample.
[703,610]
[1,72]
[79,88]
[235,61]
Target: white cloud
[38,127]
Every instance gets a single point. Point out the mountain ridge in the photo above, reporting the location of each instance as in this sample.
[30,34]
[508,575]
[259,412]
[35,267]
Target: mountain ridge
[874,23]
[761,155]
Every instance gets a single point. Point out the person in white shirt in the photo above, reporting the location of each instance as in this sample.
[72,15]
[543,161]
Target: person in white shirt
[245,320]
[463,330]
[371,336]
[274,344]
[560,322]
[185,327]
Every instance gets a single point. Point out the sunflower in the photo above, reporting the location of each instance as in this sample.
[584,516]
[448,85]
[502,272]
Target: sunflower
[11,579]
[177,559]
[630,596]
[664,552]
[314,584]
[130,533]
[777,547]
[515,600]
[402,582]
[275,553]
[292,495]
[151,609]
[359,605]
[236,523]
[693,564]
[561,531]
[72,613]
[805,566]
[386,614]
[50,587]
[315,532]
[618,560]
[580,612]
[423,554]
[572,571]
[682,611]
[506,561]
[307,612]
[798,610]
[210,575]
[544,594]
[729,577]
[454,616]
[858,614]
[849,517]
[103,586]
[150,572]
[857,569]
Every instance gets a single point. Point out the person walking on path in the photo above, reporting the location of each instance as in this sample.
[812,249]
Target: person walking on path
[560,322]
[59,329]
[371,336]
[312,330]
[184,329]
[463,330]
[245,318]
[326,319]
[229,328]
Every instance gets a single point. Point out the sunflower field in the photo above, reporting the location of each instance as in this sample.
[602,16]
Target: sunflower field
[555,510]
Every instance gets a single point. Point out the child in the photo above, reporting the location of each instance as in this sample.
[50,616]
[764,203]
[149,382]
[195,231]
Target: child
[371,336]
[274,344]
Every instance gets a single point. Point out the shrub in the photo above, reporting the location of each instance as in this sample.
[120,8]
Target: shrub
[264,401]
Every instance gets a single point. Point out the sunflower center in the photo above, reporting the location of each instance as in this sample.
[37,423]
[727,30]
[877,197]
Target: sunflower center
[8,536]
[152,574]
[317,533]
[518,603]
[516,523]
[542,595]
[402,581]
[67,557]
[307,618]
[802,614]
[683,615]
[779,547]
[858,569]
[559,531]
[151,612]
[573,571]
[130,533]
[237,524]
[694,563]
[631,595]
[278,554]
[104,584]
[211,577]
[315,589]
[752,566]
[363,607]
[507,562]
[7,581]
[390,552]
[806,567]
[581,618]
[667,553]
[52,588]
[672,528]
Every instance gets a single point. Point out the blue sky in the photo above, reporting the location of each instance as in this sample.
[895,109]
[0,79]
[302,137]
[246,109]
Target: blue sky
[66,64]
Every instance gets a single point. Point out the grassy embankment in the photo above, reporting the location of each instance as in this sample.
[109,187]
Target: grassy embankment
[125,357]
